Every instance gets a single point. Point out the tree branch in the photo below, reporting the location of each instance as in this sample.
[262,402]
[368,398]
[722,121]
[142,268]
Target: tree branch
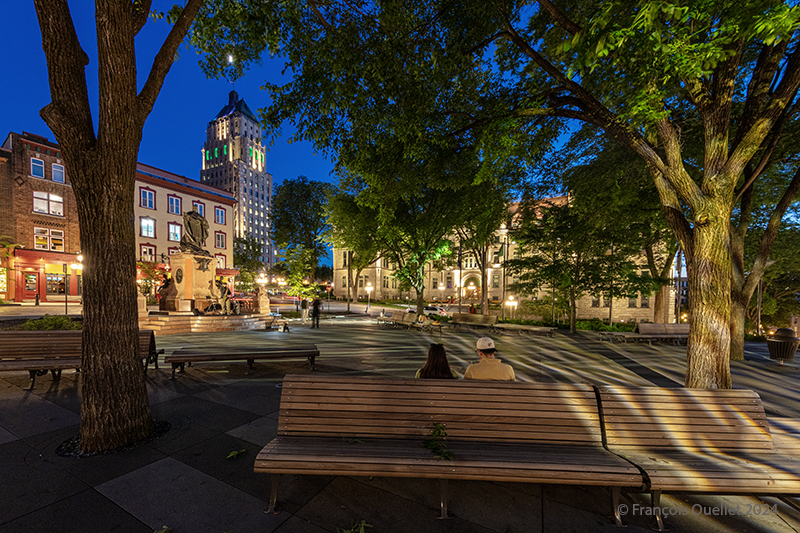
[560,17]
[164,58]
[140,10]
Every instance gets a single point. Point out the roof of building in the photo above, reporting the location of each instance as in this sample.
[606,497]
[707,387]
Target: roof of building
[236,104]
[182,183]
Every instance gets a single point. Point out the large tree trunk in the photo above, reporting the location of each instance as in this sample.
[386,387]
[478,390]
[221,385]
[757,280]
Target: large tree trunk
[709,272]
[662,305]
[738,312]
[572,309]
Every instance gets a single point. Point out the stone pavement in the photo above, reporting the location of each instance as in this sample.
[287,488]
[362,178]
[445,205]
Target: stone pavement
[184,480]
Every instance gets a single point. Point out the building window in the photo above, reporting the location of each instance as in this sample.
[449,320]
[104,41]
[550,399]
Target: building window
[435,283]
[37,168]
[344,282]
[645,302]
[632,303]
[48,239]
[394,283]
[58,173]
[496,281]
[606,301]
[219,215]
[219,239]
[361,281]
[147,227]
[386,282]
[147,253]
[344,258]
[220,261]
[174,232]
[174,205]
[449,282]
[200,207]
[55,284]
[49,204]
[172,250]
[147,198]
[595,302]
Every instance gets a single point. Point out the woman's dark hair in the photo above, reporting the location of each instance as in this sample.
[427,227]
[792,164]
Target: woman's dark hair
[436,367]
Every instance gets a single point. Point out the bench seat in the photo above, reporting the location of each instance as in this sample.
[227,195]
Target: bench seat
[472,321]
[179,358]
[522,328]
[41,351]
[697,440]
[369,426]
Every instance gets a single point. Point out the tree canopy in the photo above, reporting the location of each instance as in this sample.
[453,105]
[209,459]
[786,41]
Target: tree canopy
[298,217]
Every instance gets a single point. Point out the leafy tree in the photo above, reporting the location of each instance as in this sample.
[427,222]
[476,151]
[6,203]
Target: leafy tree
[151,275]
[247,253]
[114,406]
[297,260]
[323,273]
[298,215]
[501,78]
[781,281]
[352,227]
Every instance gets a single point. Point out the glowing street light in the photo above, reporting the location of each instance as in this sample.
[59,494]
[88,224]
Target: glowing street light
[369,292]
[512,304]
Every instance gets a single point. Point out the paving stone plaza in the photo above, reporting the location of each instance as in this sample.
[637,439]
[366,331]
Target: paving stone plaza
[184,480]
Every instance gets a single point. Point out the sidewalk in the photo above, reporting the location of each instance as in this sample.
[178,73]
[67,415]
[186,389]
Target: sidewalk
[185,481]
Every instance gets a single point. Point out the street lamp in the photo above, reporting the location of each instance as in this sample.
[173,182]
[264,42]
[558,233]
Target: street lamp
[512,304]
[73,267]
[369,292]
[471,296]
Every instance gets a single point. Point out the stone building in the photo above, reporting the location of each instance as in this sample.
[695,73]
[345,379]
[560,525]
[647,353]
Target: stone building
[38,213]
[453,285]
[234,160]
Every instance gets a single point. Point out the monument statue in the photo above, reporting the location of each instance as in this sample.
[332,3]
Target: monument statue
[195,232]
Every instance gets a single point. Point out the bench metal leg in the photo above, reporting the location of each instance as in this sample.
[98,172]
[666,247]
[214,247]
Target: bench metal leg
[250,365]
[56,374]
[443,497]
[615,504]
[273,493]
[311,361]
[655,502]
[176,366]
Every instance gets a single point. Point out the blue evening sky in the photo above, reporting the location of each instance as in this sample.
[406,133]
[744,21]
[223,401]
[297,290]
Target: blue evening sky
[175,131]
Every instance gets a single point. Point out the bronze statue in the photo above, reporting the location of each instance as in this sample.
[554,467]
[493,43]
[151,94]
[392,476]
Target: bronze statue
[195,232]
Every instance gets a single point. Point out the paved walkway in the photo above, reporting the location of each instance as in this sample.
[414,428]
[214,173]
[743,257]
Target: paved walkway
[185,481]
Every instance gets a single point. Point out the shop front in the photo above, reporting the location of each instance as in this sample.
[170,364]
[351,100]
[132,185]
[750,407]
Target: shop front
[53,276]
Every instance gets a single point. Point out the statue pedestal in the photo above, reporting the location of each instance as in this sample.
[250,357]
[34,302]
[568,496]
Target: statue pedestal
[193,276]
[142,304]
[262,304]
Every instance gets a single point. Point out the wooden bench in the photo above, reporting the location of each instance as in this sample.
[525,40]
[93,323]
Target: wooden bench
[179,358]
[369,426]
[522,328]
[471,321]
[427,325]
[697,440]
[405,320]
[644,331]
[40,352]
[385,320]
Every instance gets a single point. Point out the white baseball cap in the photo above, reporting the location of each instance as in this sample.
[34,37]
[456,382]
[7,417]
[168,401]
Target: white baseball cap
[485,343]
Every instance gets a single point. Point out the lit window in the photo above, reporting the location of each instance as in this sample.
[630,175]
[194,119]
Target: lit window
[49,204]
[147,199]
[219,215]
[48,239]
[216,152]
[219,240]
[174,232]
[58,173]
[148,227]
[37,168]
[174,205]
[148,253]
[201,208]
[220,261]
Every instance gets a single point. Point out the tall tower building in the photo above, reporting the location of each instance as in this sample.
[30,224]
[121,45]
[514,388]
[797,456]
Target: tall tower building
[234,160]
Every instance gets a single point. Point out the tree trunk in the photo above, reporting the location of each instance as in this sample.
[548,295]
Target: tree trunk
[572,309]
[738,312]
[484,282]
[662,305]
[709,272]
[420,299]
[349,279]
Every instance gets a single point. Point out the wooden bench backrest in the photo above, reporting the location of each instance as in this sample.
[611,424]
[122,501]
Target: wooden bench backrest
[60,343]
[362,407]
[651,329]
[467,318]
[685,419]
[677,329]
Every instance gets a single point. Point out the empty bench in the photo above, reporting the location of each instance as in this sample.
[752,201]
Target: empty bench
[40,352]
[369,426]
[701,441]
[674,333]
[523,328]
[179,358]
[471,321]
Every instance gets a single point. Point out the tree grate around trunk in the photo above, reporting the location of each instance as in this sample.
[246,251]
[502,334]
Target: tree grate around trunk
[71,446]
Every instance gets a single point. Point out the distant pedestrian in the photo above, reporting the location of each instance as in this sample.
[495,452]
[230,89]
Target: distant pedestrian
[489,367]
[316,306]
[304,310]
[436,367]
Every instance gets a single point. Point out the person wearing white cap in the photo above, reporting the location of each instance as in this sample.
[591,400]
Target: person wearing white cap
[489,366]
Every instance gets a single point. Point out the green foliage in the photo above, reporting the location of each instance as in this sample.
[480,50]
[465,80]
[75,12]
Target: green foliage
[51,322]
[358,527]
[236,453]
[596,324]
[298,263]
[437,444]
[247,254]
[150,277]
[298,215]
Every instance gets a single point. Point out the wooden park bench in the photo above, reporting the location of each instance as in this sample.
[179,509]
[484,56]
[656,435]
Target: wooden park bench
[472,321]
[386,319]
[546,433]
[273,322]
[405,320]
[522,328]
[650,333]
[40,352]
[701,441]
[179,358]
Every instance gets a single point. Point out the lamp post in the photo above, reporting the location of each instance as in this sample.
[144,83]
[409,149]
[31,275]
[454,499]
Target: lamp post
[512,305]
[369,292]
[471,297]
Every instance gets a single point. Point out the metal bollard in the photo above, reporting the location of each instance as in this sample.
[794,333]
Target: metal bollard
[37,299]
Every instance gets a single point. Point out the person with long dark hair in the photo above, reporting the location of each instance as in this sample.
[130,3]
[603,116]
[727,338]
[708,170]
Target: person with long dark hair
[436,367]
